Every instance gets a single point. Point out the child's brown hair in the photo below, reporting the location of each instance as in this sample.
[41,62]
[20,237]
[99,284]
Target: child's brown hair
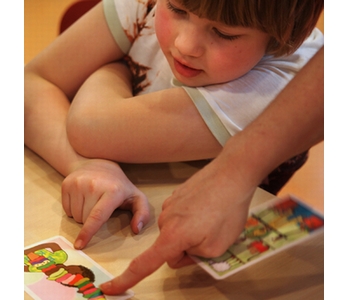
[288,22]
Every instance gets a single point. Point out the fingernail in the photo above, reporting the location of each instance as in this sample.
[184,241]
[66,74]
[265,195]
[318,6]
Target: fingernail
[140,226]
[106,286]
[78,244]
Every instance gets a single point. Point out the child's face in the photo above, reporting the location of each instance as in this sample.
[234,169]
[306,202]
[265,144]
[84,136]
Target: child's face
[202,52]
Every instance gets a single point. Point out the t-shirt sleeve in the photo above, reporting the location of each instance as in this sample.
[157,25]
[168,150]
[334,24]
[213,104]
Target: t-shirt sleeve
[210,117]
[125,19]
[228,108]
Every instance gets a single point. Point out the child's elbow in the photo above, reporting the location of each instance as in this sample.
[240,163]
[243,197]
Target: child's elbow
[79,135]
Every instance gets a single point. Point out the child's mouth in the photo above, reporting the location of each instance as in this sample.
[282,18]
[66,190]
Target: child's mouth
[185,70]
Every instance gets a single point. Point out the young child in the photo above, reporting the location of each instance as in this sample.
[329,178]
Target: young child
[200,72]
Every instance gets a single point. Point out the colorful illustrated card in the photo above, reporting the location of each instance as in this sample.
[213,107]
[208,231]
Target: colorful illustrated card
[270,228]
[54,270]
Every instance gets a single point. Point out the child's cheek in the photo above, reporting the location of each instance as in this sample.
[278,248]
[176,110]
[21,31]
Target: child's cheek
[163,27]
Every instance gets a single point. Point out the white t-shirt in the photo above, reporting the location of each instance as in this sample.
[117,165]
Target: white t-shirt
[226,108]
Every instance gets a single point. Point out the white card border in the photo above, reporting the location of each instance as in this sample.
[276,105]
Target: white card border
[127,295]
[268,203]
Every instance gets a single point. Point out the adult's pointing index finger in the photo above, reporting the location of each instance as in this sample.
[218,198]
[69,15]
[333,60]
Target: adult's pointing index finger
[142,266]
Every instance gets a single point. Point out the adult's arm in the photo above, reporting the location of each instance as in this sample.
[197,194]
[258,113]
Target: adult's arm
[220,194]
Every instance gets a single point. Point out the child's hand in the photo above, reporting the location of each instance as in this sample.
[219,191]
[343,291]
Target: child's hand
[93,191]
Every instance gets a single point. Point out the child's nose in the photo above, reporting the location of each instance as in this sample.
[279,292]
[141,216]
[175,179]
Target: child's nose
[190,42]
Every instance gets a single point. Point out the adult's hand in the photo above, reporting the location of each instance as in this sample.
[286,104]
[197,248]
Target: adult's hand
[204,216]
[207,213]
[94,190]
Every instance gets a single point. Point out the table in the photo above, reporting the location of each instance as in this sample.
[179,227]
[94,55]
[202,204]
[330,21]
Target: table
[296,273]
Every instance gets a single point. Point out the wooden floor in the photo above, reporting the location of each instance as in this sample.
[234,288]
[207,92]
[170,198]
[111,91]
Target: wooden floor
[41,22]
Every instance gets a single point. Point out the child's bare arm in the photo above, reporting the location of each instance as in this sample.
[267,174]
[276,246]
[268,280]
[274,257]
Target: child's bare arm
[53,78]
[106,121]
[51,81]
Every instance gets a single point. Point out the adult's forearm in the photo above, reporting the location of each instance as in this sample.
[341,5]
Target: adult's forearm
[291,124]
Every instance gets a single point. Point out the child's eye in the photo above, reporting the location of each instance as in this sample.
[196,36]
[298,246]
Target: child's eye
[174,9]
[225,36]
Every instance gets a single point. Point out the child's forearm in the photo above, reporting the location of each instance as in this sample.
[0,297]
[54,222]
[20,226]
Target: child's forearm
[45,110]
[53,78]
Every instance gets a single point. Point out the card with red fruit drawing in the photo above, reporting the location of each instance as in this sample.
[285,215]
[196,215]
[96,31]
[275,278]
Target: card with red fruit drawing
[270,228]
[54,270]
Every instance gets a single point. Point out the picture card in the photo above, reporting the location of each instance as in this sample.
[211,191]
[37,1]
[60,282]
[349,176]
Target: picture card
[54,270]
[270,228]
